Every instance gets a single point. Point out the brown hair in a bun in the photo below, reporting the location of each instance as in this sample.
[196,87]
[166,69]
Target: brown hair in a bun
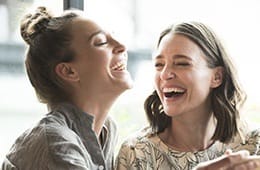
[33,24]
[49,41]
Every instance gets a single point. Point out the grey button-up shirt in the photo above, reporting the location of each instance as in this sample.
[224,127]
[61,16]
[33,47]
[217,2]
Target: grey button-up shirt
[63,140]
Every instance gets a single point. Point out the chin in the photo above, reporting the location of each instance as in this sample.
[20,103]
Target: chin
[121,81]
[130,83]
[126,82]
[126,85]
[171,112]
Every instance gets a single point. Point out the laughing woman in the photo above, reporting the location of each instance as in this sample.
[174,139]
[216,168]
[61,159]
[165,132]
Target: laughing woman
[78,69]
[194,110]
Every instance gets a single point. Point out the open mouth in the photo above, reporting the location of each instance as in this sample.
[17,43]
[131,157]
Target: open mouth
[173,92]
[119,66]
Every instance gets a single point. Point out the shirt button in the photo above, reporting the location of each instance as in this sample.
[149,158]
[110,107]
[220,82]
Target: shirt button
[101,167]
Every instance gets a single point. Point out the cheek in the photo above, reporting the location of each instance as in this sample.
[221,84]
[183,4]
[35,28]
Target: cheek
[99,55]
[99,61]
[197,77]
[200,84]
[157,80]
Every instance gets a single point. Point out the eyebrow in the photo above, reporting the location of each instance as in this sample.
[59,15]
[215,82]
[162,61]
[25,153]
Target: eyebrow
[95,33]
[177,56]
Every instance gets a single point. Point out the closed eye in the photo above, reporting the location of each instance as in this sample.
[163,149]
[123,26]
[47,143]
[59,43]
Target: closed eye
[101,43]
[158,65]
[182,64]
[100,39]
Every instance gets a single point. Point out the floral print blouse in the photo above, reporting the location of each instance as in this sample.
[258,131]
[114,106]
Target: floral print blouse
[146,151]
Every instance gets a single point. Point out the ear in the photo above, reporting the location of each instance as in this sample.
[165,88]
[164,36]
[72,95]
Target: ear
[217,77]
[66,72]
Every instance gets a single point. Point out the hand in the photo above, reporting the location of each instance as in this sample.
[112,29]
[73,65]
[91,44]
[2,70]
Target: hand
[240,160]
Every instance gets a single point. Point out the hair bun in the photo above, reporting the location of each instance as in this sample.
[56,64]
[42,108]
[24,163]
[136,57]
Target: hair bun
[33,24]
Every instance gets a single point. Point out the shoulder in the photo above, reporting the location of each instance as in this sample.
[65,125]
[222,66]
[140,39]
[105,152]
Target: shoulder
[247,140]
[49,128]
[51,139]
[139,142]
[253,138]
[138,137]
[136,152]
[30,145]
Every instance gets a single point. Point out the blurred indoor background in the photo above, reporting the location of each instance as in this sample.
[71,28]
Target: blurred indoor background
[138,24]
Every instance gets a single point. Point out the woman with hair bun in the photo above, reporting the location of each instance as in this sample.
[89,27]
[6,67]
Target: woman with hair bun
[78,70]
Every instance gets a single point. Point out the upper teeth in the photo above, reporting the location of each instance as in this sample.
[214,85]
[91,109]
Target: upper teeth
[173,89]
[119,65]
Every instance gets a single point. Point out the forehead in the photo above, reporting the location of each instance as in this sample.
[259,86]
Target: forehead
[82,27]
[173,44]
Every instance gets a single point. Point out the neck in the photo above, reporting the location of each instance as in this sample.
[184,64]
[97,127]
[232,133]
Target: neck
[178,135]
[98,107]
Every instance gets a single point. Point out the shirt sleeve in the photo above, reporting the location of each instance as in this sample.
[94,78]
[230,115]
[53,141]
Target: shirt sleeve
[250,143]
[253,142]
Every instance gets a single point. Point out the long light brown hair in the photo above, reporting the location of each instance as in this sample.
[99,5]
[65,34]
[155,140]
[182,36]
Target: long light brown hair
[226,99]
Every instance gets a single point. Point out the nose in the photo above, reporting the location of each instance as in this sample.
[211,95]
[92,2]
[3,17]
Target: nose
[118,47]
[167,73]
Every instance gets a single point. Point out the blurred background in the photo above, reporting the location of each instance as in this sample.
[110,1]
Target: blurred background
[138,24]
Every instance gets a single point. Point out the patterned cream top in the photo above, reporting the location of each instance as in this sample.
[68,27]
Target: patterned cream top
[146,151]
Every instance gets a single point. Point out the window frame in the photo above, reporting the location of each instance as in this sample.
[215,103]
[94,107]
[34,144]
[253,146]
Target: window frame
[69,4]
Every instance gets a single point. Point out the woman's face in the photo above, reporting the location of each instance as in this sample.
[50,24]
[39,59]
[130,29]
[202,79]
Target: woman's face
[182,79]
[100,60]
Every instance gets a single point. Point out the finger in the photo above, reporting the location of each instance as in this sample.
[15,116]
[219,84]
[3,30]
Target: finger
[238,156]
[252,164]
[228,152]
[229,160]
[219,164]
